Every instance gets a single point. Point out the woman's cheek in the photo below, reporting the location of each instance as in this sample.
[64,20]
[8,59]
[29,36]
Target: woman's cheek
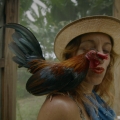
[108,61]
[79,52]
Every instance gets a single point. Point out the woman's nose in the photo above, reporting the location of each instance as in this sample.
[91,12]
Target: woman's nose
[99,50]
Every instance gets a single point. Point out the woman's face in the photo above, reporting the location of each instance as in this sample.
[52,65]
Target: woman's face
[101,43]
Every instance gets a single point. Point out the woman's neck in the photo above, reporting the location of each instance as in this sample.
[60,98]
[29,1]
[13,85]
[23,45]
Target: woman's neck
[89,87]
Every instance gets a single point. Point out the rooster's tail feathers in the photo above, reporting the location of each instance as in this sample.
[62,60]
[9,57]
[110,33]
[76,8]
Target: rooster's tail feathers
[25,45]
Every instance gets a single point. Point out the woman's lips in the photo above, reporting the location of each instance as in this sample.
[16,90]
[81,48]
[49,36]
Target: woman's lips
[98,70]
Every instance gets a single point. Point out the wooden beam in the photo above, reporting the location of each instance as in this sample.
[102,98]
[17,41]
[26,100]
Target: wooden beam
[116,9]
[2,16]
[116,13]
[2,62]
[10,68]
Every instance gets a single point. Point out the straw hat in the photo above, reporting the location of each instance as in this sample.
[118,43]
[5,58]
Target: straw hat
[104,24]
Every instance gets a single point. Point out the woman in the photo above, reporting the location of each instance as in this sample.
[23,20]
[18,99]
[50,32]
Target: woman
[91,99]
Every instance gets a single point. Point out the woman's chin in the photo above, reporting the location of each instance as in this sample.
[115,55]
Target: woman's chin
[97,82]
[94,80]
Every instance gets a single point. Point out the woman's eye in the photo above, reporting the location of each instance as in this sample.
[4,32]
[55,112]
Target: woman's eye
[92,48]
[83,50]
[106,51]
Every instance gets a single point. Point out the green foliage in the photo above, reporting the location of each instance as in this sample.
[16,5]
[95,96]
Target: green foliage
[101,7]
[24,6]
[27,109]
[63,10]
[21,91]
[23,76]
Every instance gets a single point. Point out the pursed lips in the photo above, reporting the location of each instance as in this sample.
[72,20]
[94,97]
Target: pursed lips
[98,70]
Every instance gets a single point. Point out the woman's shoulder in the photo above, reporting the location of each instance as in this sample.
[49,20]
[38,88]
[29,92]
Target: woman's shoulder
[59,100]
[59,107]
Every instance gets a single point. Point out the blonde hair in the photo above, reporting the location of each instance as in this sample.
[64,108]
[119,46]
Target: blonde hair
[105,92]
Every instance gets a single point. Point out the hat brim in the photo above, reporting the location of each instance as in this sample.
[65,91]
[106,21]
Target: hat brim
[105,24]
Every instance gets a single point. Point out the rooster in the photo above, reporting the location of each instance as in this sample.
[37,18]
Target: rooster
[49,77]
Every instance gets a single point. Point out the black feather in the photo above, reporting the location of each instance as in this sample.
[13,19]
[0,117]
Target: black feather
[25,45]
[15,49]
[16,37]
[44,81]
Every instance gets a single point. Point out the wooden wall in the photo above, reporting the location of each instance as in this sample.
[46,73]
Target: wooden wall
[9,71]
[1,47]
[116,13]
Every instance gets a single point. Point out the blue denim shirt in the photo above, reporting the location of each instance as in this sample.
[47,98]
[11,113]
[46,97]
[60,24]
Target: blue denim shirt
[103,111]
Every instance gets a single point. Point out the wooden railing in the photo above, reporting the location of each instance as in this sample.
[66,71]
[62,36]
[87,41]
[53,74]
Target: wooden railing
[2,62]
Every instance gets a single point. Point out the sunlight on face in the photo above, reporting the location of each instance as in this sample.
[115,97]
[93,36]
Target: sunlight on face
[101,43]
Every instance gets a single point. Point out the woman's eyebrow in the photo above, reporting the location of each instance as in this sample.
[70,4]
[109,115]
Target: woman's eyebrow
[108,43]
[92,41]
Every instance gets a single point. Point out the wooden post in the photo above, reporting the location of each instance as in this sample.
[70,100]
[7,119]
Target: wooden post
[116,13]
[2,16]
[9,75]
